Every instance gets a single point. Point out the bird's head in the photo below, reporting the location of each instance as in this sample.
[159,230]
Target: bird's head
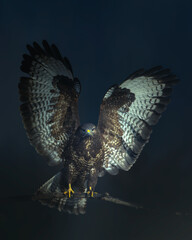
[87,130]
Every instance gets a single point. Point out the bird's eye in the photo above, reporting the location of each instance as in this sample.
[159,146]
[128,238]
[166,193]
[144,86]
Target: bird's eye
[93,129]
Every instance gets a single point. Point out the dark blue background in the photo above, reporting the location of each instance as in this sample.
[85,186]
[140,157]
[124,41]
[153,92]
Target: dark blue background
[105,42]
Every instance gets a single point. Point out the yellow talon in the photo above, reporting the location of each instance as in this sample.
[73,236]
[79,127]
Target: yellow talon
[91,192]
[69,191]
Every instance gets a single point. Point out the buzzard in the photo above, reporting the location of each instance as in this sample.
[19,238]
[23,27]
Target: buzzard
[50,115]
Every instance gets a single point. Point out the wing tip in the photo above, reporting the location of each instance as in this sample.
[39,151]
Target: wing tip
[162,74]
[46,50]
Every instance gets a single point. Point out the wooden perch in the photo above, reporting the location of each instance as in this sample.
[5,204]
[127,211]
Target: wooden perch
[99,196]
[49,196]
[40,196]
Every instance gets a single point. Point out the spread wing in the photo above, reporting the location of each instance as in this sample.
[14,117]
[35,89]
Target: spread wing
[50,100]
[129,111]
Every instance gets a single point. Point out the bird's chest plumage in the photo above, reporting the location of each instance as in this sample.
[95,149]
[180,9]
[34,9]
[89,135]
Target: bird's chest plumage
[86,152]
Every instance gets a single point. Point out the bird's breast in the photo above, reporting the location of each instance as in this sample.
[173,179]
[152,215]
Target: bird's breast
[90,149]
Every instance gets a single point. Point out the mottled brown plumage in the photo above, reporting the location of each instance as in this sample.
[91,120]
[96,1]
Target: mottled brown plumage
[51,119]
[84,157]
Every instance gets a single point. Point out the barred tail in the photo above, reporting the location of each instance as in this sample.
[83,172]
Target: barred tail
[51,194]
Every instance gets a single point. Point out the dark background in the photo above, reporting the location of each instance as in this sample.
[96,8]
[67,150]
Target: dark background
[105,42]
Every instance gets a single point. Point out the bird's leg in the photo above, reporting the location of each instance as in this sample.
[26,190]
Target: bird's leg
[69,176]
[92,181]
[90,191]
[69,191]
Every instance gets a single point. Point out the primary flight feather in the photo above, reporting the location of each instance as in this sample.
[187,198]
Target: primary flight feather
[50,116]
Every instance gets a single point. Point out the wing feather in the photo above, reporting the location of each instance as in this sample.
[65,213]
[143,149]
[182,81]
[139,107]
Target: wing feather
[50,100]
[129,111]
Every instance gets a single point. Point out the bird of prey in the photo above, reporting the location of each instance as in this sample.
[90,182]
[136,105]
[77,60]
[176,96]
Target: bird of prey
[50,115]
